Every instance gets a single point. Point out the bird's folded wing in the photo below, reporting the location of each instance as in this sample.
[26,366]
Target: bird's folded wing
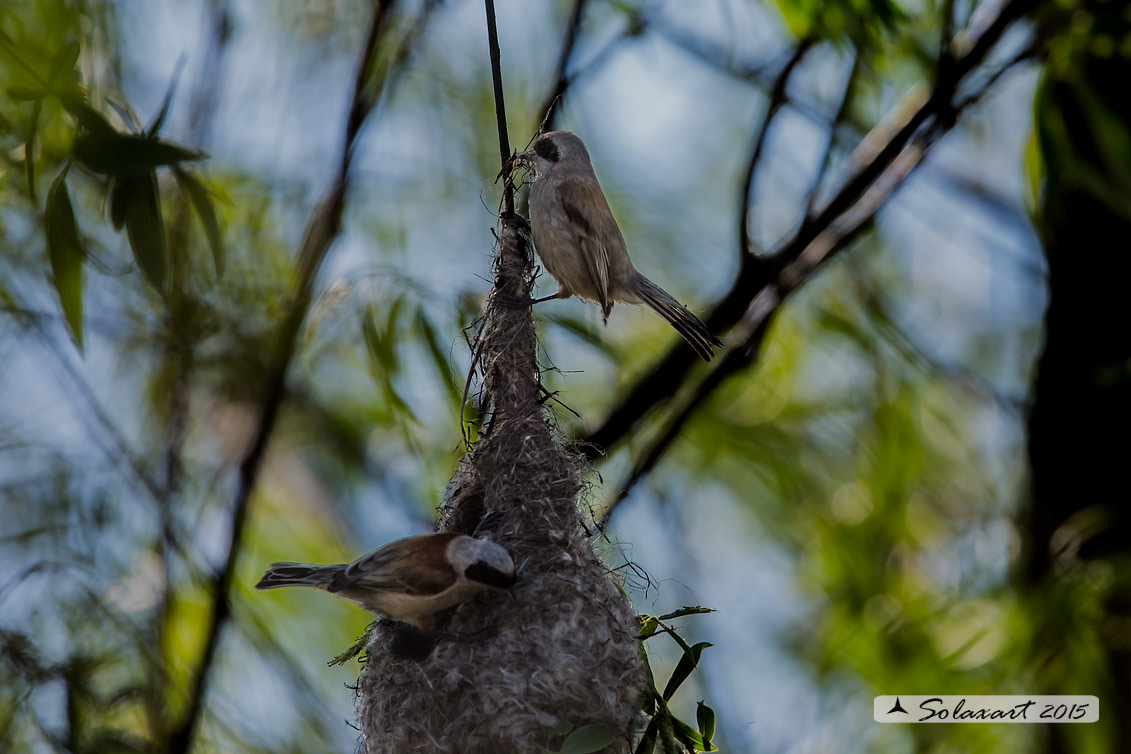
[404,566]
[594,251]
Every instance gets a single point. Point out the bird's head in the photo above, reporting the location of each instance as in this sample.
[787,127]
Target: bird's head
[555,148]
[482,562]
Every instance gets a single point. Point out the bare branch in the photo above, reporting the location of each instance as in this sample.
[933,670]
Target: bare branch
[838,120]
[321,232]
[777,100]
[883,146]
[792,273]
[500,106]
[549,110]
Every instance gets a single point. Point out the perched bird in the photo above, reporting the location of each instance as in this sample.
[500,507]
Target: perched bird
[582,247]
[408,580]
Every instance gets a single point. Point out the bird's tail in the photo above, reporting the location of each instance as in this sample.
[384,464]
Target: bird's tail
[685,323]
[298,574]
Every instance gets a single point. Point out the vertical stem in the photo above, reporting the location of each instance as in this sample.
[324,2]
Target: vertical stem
[500,108]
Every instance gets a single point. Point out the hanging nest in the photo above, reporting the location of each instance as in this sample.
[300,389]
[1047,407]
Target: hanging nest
[564,652]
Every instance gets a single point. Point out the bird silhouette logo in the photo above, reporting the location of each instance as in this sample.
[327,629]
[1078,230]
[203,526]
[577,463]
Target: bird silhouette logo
[898,708]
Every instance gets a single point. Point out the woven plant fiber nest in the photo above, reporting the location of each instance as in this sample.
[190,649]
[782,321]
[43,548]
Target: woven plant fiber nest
[560,654]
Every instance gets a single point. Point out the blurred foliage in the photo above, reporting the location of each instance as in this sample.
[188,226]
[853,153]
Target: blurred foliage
[665,732]
[883,467]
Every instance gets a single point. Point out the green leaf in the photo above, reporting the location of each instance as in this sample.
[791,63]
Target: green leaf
[436,352]
[587,739]
[689,736]
[111,742]
[65,59]
[159,120]
[23,94]
[127,154]
[88,118]
[66,254]
[201,202]
[146,229]
[683,669]
[120,197]
[647,742]
[648,626]
[126,117]
[705,719]
[29,149]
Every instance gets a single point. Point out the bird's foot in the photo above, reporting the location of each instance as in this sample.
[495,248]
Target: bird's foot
[507,301]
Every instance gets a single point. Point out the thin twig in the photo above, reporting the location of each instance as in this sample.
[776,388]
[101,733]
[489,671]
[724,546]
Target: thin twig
[500,106]
[322,230]
[837,121]
[665,378]
[777,99]
[790,276]
[549,109]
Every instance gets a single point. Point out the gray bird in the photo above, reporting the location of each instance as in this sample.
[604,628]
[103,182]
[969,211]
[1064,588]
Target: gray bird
[581,246]
[409,580]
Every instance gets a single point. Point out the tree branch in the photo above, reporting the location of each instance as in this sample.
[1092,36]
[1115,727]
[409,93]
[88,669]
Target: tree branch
[838,119]
[777,99]
[321,232]
[664,379]
[549,110]
[792,271]
[500,106]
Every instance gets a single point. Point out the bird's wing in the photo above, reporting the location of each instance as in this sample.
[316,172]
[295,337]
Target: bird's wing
[594,248]
[404,566]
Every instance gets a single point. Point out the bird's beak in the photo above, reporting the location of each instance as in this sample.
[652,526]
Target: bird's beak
[525,158]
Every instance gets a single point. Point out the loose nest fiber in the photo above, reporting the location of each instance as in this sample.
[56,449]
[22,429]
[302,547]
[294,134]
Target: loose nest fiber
[563,653]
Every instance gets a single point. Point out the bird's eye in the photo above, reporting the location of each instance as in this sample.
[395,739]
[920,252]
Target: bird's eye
[547,150]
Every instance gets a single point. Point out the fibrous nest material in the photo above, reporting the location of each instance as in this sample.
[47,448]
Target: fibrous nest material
[563,652]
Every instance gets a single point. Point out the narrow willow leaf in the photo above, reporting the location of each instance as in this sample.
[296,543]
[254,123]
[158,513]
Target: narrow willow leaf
[127,117]
[687,663]
[65,59]
[201,202]
[689,736]
[66,254]
[88,118]
[121,194]
[437,354]
[146,230]
[647,742]
[705,719]
[587,739]
[127,154]
[159,120]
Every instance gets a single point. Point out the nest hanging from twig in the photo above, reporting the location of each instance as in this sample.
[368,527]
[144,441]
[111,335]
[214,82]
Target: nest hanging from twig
[564,652]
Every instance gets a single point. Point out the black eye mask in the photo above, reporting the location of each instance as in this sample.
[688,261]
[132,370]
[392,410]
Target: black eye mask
[547,150]
[485,574]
